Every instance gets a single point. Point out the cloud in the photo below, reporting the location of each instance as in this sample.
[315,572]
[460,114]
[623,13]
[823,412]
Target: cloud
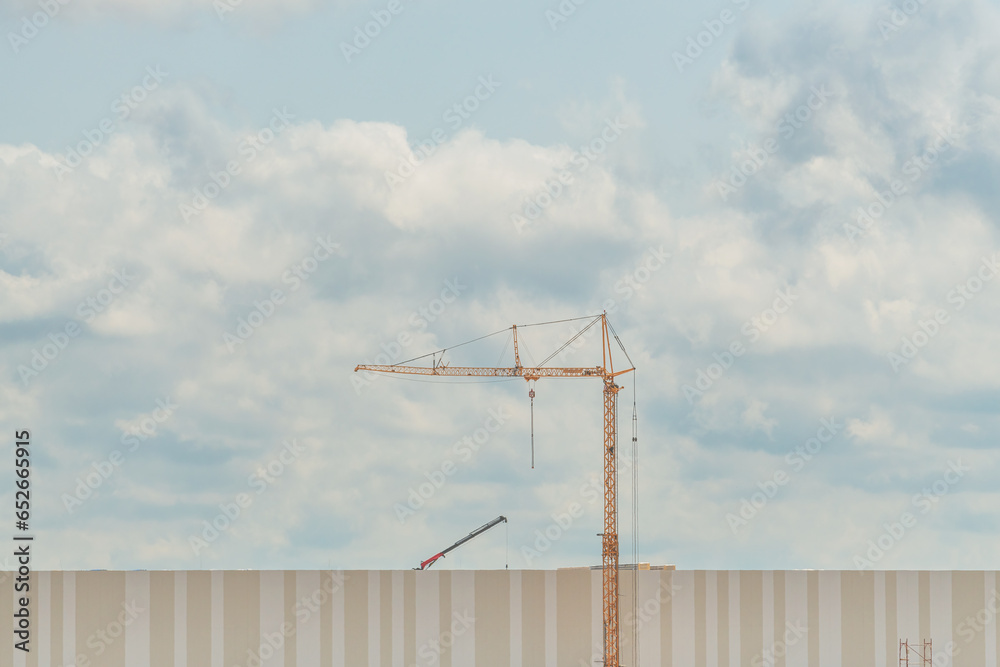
[296,258]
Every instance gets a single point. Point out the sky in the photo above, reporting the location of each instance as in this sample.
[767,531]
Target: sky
[211,211]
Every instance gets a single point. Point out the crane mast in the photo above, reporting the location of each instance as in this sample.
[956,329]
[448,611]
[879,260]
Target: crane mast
[607,373]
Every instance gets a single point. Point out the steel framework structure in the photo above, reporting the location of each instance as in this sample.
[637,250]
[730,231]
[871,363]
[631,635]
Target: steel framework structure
[607,373]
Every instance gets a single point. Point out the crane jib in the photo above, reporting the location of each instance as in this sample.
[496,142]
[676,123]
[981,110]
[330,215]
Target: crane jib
[607,372]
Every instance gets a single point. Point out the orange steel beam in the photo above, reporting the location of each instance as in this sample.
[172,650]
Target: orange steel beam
[607,373]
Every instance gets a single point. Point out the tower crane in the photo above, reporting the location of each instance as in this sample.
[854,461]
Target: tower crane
[607,374]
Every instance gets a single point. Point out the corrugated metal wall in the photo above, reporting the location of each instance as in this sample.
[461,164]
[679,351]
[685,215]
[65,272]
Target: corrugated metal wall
[478,618]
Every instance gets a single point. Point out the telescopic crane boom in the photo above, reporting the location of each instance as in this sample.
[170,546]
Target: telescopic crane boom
[607,374]
[476,533]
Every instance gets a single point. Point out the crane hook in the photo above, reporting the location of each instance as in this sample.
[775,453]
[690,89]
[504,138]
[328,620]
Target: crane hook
[531,395]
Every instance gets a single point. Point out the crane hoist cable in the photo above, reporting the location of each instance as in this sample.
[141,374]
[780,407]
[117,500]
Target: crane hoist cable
[531,395]
[635,521]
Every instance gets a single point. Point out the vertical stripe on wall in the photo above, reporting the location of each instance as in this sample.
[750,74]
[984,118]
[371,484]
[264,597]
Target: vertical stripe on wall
[218,617]
[69,618]
[712,619]
[43,614]
[750,610]
[398,618]
[881,616]
[461,623]
[734,619]
[668,584]
[288,590]
[551,601]
[374,626]
[272,618]
[652,598]
[409,618]
[7,596]
[829,619]
[891,620]
[9,600]
[597,614]
[990,604]
[180,619]
[722,605]
[907,608]
[444,617]
[699,618]
[780,637]
[100,599]
[306,618]
[161,619]
[386,617]
[682,630]
[137,610]
[858,623]
[428,619]
[797,618]
[20,658]
[328,583]
[573,617]
[625,646]
[492,615]
[57,620]
[767,617]
[33,605]
[356,616]
[516,649]
[338,615]
[241,628]
[967,601]
[812,614]
[924,593]
[939,596]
